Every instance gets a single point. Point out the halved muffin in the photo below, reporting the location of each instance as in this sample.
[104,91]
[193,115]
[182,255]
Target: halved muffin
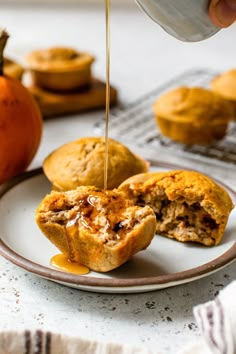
[81,162]
[192,115]
[189,206]
[225,86]
[60,68]
[99,229]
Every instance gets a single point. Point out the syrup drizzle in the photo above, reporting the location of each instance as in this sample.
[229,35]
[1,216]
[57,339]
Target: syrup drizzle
[107,90]
[61,261]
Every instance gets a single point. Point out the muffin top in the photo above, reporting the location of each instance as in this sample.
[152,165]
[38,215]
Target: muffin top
[193,104]
[81,162]
[225,85]
[58,59]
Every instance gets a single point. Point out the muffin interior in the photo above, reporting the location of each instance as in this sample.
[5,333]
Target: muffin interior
[180,219]
[99,229]
[107,215]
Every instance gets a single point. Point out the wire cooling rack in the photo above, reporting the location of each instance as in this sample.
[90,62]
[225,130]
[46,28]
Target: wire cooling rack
[135,123]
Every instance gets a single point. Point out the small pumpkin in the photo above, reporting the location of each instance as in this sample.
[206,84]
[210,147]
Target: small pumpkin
[20,123]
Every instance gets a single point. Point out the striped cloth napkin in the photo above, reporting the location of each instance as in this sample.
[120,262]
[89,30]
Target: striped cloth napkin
[39,342]
[217,322]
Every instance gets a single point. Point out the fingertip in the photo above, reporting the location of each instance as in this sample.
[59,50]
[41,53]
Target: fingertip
[222,13]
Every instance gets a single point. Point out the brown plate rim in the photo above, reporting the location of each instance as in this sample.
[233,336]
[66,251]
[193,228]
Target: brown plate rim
[94,282]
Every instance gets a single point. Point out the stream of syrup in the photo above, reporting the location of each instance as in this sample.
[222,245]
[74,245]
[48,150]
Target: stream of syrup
[60,261]
[107,90]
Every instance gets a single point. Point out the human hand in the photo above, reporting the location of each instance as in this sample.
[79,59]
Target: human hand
[222,12]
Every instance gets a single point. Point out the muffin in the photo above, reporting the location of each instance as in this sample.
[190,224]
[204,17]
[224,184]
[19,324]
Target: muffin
[60,68]
[13,69]
[81,162]
[225,85]
[192,115]
[189,206]
[99,229]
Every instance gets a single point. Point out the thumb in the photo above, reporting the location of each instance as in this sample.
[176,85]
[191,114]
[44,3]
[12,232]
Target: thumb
[222,12]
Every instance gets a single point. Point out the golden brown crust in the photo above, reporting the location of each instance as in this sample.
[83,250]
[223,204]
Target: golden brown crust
[225,86]
[189,192]
[192,115]
[81,162]
[58,59]
[99,229]
[60,68]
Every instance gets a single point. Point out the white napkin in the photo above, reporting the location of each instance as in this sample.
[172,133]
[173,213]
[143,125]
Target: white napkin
[217,322]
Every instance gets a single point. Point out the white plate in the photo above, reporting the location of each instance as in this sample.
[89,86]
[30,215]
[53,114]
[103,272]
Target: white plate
[165,263]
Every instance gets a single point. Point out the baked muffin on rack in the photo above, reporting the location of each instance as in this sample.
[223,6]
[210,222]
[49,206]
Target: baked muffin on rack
[189,206]
[99,229]
[12,68]
[60,68]
[81,162]
[225,85]
[192,115]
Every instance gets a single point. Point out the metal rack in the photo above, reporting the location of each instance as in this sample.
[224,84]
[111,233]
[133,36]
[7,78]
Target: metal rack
[135,123]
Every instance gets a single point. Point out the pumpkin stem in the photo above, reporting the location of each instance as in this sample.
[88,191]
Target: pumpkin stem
[3,40]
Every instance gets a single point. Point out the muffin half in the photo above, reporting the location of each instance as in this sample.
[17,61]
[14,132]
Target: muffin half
[188,205]
[192,115]
[60,68]
[81,162]
[99,229]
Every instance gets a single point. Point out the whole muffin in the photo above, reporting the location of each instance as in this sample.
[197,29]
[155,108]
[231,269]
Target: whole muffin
[100,229]
[225,85]
[192,115]
[188,205]
[81,162]
[60,68]
[13,69]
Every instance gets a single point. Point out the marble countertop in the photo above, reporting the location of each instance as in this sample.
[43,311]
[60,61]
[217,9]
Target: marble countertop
[143,56]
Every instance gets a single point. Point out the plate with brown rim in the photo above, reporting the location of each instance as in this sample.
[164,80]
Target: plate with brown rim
[163,264]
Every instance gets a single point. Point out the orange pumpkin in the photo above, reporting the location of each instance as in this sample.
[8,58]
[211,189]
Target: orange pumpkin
[20,124]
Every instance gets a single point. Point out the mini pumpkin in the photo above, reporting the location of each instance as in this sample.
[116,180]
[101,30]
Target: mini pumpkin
[20,123]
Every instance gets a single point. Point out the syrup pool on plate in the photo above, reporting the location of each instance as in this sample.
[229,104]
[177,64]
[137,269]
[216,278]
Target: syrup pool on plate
[61,262]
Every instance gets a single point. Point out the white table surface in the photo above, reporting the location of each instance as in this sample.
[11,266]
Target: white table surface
[142,57]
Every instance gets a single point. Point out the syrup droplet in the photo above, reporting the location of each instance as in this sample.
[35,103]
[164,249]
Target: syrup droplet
[61,262]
